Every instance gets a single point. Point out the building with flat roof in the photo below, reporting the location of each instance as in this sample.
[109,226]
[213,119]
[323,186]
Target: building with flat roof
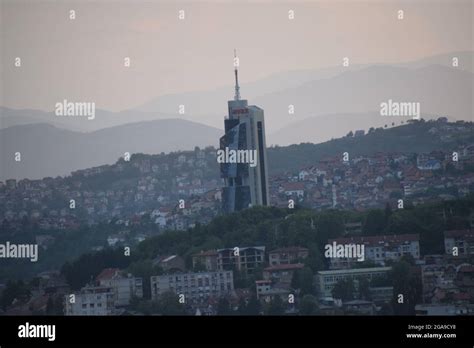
[91,300]
[124,286]
[379,249]
[196,287]
[326,280]
[243,259]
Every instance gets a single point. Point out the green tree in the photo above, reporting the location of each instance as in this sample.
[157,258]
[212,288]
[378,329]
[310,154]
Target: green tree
[276,306]
[344,290]
[168,304]
[242,307]
[50,306]
[374,222]
[306,281]
[88,266]
[303,280]
[315,260]
[388,213]
[253,306]
[223,307]
[199,267]
[14,290]
[406,289]
[364,289]
[295,280]
[308,305]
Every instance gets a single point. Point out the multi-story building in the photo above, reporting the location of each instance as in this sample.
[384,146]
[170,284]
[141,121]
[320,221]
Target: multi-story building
[326,280]
[381,294]
[124,286]
[196,287]
[245,184]
[91,300]
[463,240]
[243,259]
[287,255]
[378,249]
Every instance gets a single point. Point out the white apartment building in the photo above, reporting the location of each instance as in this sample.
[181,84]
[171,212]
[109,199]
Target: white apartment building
[196,287]
[91,300]
[124,286]
[326,280]
[379,249]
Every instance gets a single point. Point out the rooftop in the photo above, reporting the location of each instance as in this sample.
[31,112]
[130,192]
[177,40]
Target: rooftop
[107,274]
[290,266]
[291,249]
[355,270]
[377,240]
[458,233]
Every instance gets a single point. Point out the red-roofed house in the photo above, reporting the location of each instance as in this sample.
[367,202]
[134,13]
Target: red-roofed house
[108,274]
[293,189]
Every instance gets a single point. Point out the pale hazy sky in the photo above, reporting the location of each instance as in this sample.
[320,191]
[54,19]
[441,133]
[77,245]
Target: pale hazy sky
[82,59]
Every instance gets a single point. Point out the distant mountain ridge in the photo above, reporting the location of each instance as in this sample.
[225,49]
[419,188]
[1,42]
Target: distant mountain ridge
[42,156]
[442,89]
[327,104]
[50,151]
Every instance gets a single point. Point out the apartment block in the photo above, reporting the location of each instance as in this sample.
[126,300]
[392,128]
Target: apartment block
[196,287]
[124,286]
[91,300]
[378,249]
[243,259]
[326,280]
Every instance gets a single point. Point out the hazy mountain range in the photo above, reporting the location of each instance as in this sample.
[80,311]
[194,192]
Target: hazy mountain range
[337,90]
[50,151]
[328,104]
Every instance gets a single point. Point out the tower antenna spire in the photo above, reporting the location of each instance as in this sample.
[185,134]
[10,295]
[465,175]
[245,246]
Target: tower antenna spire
[237,88]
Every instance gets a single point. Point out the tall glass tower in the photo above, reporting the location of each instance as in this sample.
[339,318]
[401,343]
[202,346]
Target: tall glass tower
[245,186]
